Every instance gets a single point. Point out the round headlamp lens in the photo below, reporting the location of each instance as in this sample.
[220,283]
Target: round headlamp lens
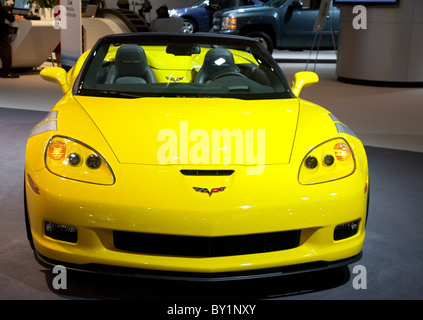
[74,159]
[328,160]
[93,161]
[311,162]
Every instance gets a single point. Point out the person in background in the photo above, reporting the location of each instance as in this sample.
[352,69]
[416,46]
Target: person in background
[145,7]
[5,48]
[58,50]
[123,4]
[162,12]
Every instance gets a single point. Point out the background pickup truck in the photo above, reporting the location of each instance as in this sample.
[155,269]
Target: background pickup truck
[198,17]
[281,24]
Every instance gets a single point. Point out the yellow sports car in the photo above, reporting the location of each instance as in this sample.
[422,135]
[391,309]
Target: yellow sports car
[189,156]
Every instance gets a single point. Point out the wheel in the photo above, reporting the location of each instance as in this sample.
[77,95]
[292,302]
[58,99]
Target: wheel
[263,38]
[188,26]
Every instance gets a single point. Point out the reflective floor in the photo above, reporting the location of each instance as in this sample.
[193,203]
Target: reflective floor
[387,119]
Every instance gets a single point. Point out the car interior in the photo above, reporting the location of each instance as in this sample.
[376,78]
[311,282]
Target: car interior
[180,70]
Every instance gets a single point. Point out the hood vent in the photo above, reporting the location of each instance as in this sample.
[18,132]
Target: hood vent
[207,172]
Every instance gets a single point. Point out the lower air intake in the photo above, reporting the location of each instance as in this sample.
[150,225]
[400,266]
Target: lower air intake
[192,246]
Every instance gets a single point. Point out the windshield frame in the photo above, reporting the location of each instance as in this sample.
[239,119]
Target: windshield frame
[164,38]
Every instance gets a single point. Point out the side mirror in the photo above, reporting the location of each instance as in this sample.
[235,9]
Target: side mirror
[295,5]
[57,75]
[303,79]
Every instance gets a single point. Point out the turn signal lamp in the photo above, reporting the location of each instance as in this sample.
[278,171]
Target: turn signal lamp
[229,23]
[342,151]
[57,150]
[232,23]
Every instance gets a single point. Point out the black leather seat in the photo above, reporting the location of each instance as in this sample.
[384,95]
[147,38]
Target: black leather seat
[217,62]
[130,66]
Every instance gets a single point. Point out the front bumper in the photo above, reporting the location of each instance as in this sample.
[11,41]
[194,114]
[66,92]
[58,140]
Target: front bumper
[161,201]
[229,31]
[197,276]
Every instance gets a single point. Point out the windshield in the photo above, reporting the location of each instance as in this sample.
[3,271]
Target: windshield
[197,3]
[275,3]
[181,66]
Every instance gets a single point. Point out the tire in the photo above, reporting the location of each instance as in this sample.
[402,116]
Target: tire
[189,26]
[263,38]
[28,227]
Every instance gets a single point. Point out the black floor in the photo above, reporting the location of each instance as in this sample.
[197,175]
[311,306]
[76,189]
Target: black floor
[392,254]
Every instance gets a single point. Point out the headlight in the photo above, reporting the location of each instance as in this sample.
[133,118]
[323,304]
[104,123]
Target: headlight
[75,160]
[328,161]
[229,23]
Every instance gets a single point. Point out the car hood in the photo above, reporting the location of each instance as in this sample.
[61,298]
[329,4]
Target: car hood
[208,131]
[255,9]
[182,10]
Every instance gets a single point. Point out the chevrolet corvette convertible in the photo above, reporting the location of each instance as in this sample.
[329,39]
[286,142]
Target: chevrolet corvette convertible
[189,156]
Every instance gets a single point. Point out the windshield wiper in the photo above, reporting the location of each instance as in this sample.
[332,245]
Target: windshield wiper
[106,93]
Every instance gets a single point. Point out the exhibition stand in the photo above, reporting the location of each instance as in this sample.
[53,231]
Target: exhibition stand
[95,28]
[33,42]
[389,51]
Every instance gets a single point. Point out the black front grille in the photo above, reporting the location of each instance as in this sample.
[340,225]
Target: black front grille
[207,172]
[192,246]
